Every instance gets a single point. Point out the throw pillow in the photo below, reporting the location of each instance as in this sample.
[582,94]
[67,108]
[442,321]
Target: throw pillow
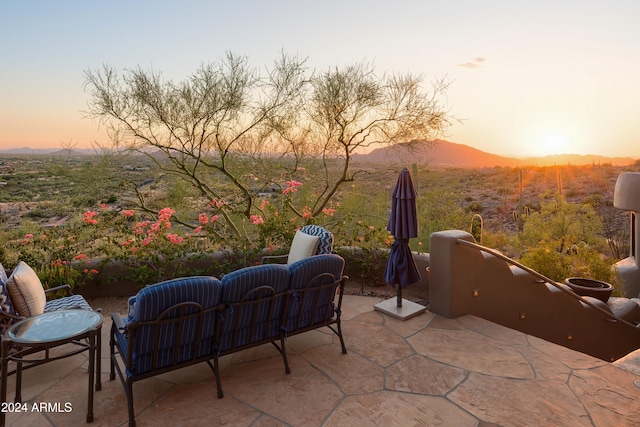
[26,291]
[303,246]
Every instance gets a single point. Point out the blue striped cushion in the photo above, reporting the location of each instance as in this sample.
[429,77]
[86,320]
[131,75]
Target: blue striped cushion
[73,301]
[151,302]
[306,269]
[237,284]
[302,273]
[5,302]
[325,244]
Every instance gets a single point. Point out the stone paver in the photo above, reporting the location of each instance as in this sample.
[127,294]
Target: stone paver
[399,409]
[471,350]
[418,374]
[518,402]
[428,370]
[609,395]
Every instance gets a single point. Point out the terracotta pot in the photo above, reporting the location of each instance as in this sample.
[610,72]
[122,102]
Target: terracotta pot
[590,288]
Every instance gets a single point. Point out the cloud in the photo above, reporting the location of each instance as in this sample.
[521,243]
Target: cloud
[474,63]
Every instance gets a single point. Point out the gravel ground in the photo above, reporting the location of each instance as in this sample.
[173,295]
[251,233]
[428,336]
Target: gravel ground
[109,305]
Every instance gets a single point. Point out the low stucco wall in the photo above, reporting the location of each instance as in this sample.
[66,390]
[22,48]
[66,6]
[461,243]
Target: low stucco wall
[465,280]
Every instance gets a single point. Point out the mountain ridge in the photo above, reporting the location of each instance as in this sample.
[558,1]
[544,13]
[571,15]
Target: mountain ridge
[450,154]
[440,153]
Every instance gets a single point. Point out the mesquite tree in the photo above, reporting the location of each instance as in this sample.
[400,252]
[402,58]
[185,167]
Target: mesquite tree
[231,131]
[351,108]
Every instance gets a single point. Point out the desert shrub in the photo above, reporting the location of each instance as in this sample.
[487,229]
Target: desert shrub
[589,262]
[438,210]
[594,200]
[560,225]
[48,209]
[372,245]
[58,273]
[564,240]
[581,261]
[475,207]
[547,262]
[572,192]
[503,241]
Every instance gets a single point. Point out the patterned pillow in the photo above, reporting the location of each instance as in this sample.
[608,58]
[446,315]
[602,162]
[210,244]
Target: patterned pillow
[131,307]
[5,302]
[26,291]
[325,244]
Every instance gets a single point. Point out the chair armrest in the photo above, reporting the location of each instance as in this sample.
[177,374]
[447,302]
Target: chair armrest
[280,259]
[66,288]
[118,322]
[7,319]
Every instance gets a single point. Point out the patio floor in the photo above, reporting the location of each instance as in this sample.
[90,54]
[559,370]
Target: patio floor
[425,371]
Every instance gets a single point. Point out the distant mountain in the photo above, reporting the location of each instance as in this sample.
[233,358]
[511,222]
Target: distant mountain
[27,150]
[435,153]
[76,152]
[449,154]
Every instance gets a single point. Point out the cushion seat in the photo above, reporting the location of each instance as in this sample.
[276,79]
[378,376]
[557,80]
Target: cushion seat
[66,303]
[152,345]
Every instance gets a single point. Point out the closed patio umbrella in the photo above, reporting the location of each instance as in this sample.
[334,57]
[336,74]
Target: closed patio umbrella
[401,269]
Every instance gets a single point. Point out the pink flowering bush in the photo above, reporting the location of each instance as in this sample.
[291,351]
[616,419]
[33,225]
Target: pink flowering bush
[154,245]
[53,255]
[256,219]
[89,217]
[149,246]
[292,187]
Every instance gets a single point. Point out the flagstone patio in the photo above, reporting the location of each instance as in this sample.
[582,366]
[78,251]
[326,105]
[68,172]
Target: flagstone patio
[425,371]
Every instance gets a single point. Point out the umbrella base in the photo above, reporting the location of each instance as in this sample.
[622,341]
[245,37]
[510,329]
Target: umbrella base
[408,310]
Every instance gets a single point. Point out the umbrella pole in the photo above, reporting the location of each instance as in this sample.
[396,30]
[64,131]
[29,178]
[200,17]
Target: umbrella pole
[399,295]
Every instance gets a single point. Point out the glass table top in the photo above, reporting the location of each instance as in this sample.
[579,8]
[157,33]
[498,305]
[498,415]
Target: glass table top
[54,326]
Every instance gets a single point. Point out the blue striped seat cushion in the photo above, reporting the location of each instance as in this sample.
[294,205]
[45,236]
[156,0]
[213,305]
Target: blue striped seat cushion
[311,305]
[154,300]
[73,301]
[267,314]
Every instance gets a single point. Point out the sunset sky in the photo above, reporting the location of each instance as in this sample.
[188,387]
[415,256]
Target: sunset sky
[529,77]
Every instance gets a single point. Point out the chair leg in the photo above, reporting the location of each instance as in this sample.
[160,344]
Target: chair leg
[338,332]
[284,356]
[281,349]
[129,393]
[112,349]
[344,348]
[216,372]
[99,358]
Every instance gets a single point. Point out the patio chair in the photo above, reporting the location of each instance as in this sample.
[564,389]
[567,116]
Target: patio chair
[254,301]
[22,295]
[172,325]
[308,241]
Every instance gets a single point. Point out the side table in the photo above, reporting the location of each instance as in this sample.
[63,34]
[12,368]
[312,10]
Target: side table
[80,328]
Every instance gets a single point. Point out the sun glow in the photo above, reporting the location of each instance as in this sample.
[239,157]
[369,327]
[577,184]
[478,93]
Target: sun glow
[553,142]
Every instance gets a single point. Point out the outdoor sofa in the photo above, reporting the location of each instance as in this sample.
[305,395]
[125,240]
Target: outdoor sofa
[190,320]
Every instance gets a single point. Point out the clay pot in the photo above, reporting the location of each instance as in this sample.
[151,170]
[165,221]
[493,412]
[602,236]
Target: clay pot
[590,288]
